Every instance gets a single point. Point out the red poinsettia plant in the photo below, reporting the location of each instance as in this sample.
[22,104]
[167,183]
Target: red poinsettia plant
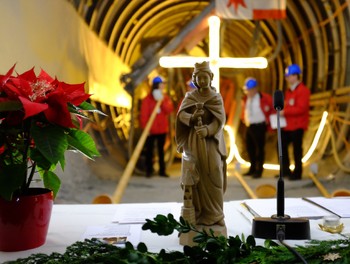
[40,119]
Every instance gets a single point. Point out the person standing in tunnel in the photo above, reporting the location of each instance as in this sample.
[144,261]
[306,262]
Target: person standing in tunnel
[296,113]
[160,126]
[256,109]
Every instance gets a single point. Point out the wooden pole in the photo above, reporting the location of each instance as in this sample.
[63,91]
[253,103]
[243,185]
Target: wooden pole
[245,186]
[124,180]
[319,185]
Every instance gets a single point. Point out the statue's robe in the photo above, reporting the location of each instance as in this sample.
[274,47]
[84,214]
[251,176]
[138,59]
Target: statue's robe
[204,159]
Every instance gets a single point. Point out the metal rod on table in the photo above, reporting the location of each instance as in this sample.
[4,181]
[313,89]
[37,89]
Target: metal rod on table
[280,182]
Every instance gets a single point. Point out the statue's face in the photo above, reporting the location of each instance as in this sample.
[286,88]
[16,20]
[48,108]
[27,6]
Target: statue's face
[203,79]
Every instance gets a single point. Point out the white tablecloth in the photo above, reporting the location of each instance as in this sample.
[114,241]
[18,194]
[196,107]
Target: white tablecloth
[69,223]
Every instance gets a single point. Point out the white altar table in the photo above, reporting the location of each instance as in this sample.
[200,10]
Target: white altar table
[69,222]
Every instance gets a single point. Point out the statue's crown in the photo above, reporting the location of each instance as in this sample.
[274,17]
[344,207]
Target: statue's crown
[202,66]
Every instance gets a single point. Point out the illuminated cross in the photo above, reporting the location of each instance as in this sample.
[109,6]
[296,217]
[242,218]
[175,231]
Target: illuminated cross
[216,62]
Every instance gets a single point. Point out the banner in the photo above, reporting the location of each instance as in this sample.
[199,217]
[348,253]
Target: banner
[251,9]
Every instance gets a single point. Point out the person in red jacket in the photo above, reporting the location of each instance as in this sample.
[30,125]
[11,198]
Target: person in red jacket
[160,126]
[256,110]
[296,112]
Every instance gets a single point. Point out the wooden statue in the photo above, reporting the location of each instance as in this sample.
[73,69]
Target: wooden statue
[199,137]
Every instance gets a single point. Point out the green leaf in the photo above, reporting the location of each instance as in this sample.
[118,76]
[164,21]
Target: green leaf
[251,241]
[171,218]
[63,163]
[82,142]
[39,158]
[142,247]
[10,106]
[200,238]
[88,107]
[235,242]
[161,218]
[51,181]
[129,246]
[212,245]
[78,112]
[270,243]
[51,141]
[12,178]
[147,225]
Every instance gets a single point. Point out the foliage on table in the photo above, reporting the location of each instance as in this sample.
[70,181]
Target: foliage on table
[40,119]
[210,249]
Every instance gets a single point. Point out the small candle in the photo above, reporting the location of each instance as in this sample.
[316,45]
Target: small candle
[331,221]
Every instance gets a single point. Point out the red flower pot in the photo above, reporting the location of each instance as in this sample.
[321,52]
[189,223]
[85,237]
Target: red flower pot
[24,221]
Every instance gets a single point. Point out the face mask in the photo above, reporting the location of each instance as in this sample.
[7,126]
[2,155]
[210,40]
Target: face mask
[157,94]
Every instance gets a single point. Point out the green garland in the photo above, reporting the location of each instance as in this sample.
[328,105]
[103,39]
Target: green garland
[209,249]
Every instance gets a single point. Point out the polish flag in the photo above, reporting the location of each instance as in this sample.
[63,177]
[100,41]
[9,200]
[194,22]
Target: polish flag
[251,9]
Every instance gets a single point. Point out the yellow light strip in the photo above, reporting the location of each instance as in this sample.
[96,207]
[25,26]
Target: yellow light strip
[316,138]
[234,149]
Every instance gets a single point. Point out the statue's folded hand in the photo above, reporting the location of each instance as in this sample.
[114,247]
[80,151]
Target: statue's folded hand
[201,131]
[196,114]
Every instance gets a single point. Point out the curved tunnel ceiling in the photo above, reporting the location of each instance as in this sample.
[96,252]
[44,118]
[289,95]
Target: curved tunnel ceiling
[315,34]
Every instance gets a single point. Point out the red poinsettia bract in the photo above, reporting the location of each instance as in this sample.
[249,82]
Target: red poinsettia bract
[36,129]
[43,94]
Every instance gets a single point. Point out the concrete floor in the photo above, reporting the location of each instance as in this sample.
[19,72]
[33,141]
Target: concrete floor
[83,180]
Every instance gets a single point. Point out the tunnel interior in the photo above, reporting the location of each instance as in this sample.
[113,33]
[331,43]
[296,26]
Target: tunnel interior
[314,34]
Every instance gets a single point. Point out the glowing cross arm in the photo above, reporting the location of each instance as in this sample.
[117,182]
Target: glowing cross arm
[255,62]
[180,61]
[188,62]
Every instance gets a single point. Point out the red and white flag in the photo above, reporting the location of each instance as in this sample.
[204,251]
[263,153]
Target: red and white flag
[251,9]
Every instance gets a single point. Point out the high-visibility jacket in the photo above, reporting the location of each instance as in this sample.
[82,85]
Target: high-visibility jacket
[161,122]
[265,106]
[296,108]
